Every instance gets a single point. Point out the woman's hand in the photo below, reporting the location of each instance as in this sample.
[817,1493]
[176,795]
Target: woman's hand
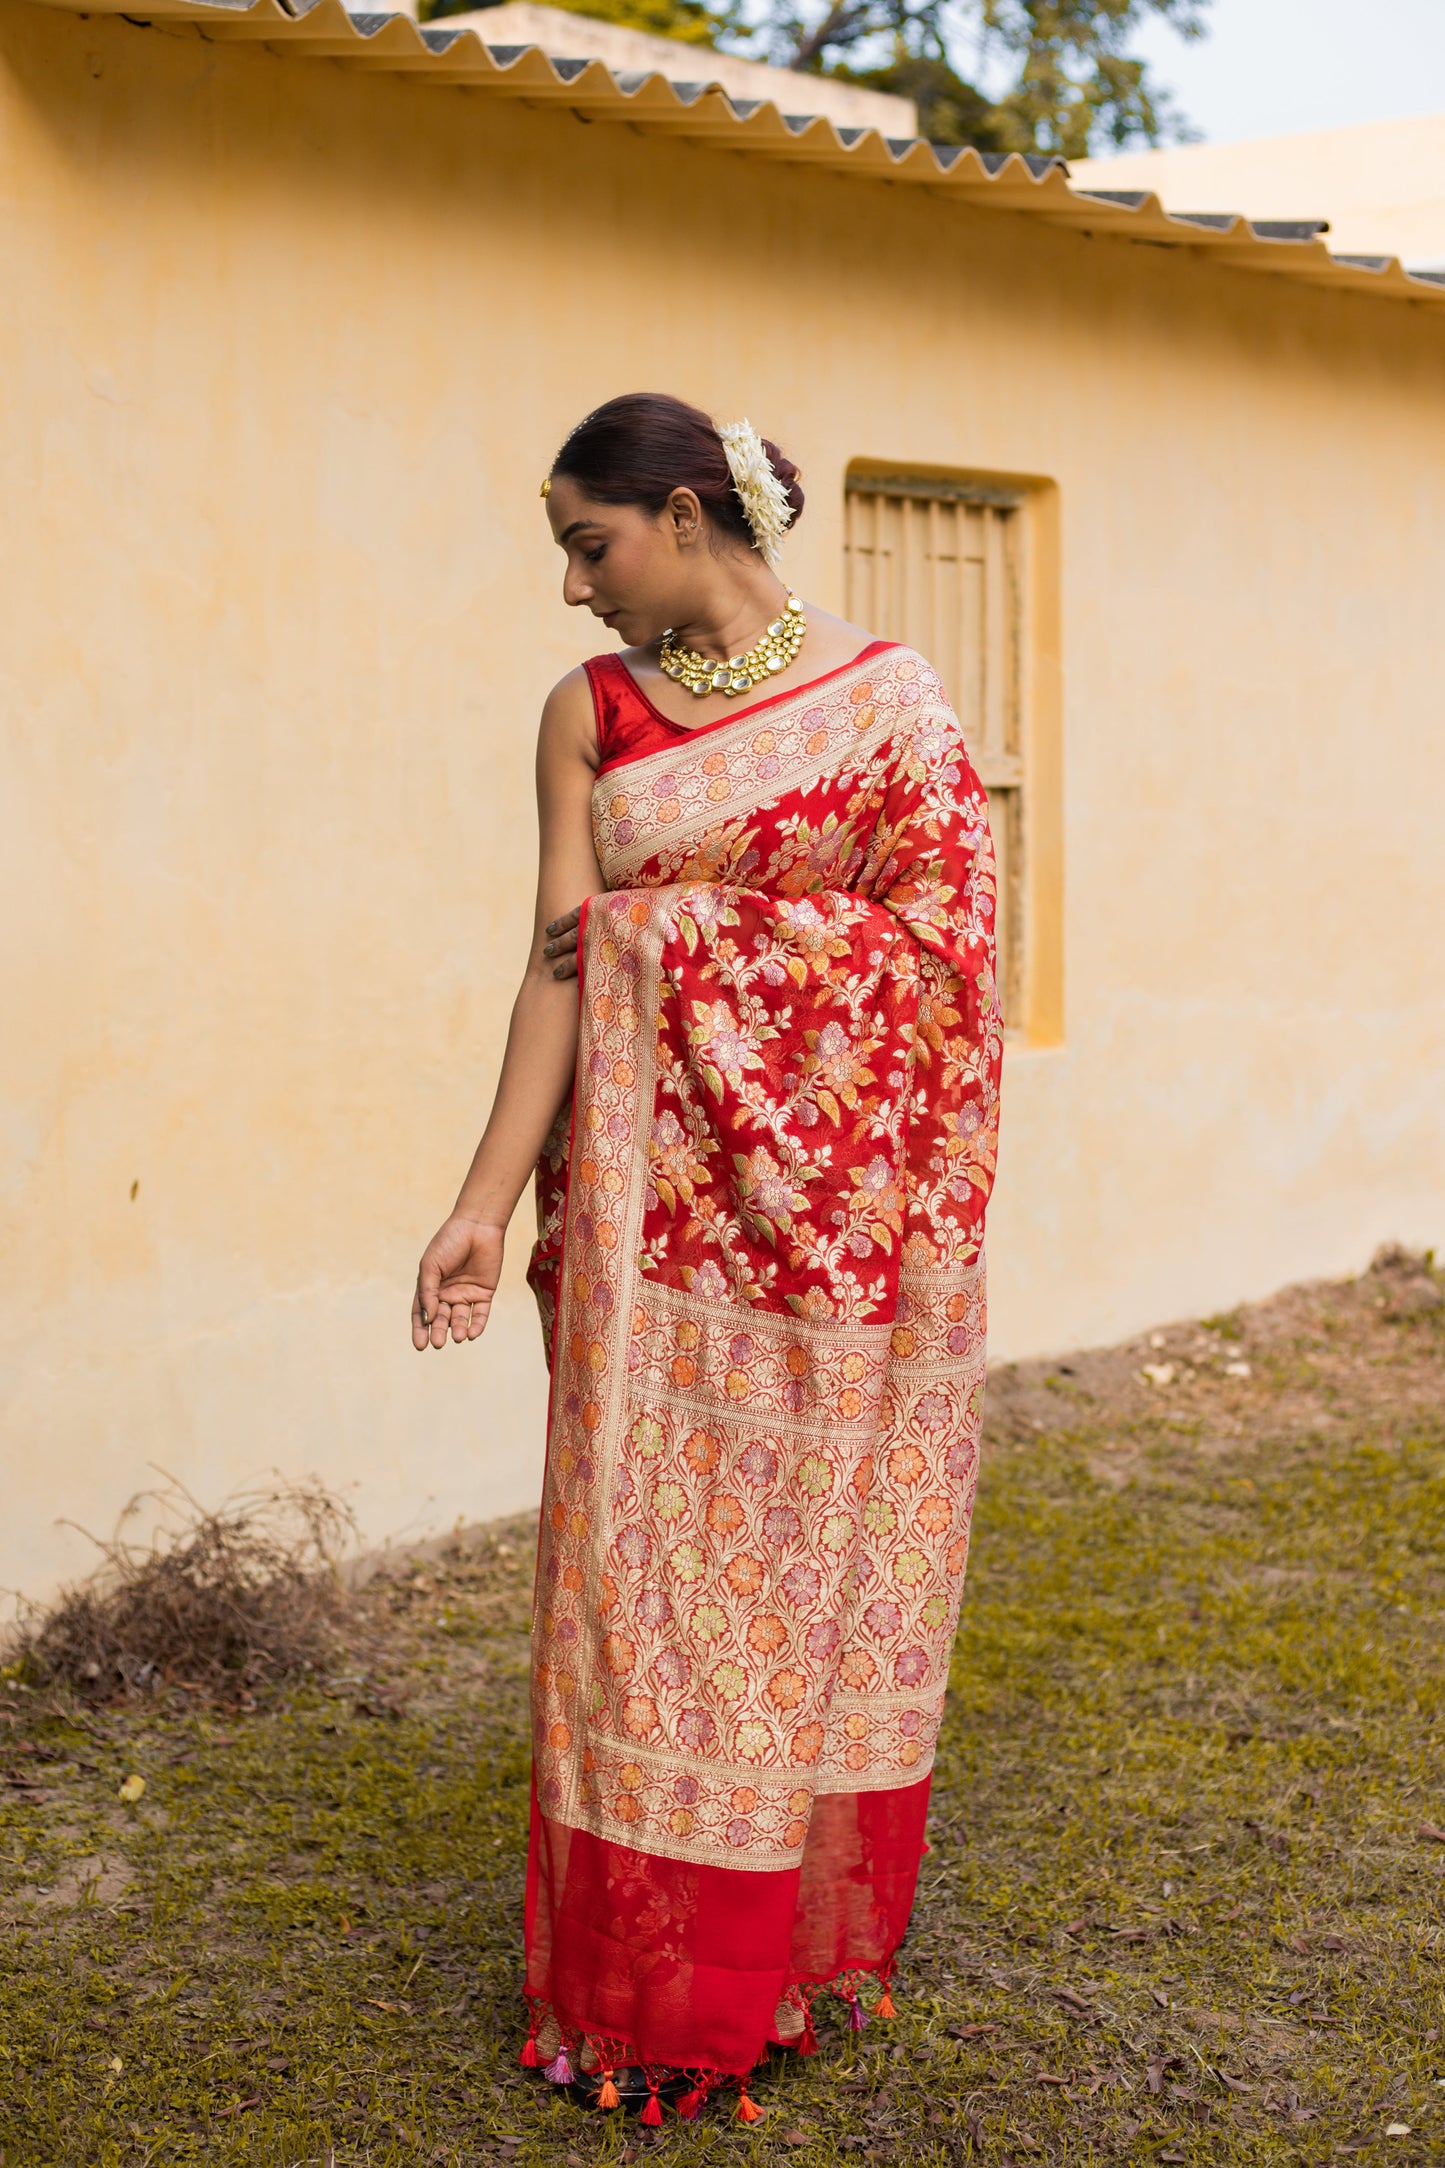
[562,943]
[456,1281]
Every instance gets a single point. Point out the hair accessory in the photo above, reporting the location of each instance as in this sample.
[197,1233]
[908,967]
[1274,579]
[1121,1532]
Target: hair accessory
[762,496]
[546,489]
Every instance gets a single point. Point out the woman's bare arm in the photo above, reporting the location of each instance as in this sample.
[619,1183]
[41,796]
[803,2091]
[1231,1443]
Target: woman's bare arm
[458,1274]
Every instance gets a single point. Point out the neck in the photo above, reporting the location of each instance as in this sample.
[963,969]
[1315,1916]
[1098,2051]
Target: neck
[729,622]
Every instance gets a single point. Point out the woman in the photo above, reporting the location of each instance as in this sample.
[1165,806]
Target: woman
[764,1140]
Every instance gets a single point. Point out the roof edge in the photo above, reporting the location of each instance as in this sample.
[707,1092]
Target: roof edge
[695,107]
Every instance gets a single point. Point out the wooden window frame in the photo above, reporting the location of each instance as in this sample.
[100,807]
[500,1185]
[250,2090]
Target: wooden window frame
[1022,767]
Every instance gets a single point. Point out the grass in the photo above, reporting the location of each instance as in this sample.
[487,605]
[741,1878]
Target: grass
[1179,1905]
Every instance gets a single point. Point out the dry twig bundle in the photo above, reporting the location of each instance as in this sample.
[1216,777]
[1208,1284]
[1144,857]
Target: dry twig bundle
[222,1602]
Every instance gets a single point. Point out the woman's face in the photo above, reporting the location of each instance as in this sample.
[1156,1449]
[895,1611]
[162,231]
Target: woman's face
[632,569]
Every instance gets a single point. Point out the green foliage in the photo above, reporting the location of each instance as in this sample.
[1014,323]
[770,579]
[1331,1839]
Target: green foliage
[1076,86]
[949,109]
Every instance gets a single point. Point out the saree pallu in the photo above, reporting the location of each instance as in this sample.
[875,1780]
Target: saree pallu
[760,1270]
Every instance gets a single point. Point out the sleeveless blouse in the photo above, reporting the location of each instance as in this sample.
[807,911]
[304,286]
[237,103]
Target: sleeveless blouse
[628,725]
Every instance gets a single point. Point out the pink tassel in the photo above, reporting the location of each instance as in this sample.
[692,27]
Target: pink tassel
[856,2019]
[560,2072]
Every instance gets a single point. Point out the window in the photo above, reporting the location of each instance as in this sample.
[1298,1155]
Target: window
[944,566]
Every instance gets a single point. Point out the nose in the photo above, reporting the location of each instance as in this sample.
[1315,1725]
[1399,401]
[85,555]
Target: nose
[576,587]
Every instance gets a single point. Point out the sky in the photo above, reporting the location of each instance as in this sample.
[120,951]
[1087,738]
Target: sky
[1273,67]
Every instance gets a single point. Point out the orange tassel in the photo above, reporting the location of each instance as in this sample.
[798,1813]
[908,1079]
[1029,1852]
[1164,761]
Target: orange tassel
[748,2110]
[652,2113]
[607,2094]
[529,2058]
[884,2005]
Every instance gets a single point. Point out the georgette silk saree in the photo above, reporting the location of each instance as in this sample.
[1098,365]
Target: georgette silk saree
[761,1274]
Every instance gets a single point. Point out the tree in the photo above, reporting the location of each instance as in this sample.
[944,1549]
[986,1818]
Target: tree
[1075,85]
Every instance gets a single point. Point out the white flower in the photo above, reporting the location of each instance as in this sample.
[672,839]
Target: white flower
[763,497]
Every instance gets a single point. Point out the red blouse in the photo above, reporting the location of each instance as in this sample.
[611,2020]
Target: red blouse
[628,725]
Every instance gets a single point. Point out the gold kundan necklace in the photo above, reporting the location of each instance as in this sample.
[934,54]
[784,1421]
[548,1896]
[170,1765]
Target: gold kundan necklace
[776,649]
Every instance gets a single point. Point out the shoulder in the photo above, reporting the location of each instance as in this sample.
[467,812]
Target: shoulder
[568,727]
[834,640]
[569,703]
[570,693]
[915,681]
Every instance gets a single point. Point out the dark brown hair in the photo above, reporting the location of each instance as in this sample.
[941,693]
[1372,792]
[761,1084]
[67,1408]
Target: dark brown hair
[638,449]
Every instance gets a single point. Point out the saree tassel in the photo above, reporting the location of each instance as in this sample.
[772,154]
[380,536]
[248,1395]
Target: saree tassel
[748,2110]
[856,2019]
[652,2113]
[808,2045]
[531,2057]
[689,2107]
[607,2093]
[560,2072]
[884,2005]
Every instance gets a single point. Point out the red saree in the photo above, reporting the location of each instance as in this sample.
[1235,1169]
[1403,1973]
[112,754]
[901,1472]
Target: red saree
[760,1270]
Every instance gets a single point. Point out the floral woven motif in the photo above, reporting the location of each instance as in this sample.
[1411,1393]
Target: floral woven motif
[761,1265]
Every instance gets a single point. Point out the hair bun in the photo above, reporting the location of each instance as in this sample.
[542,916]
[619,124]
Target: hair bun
[788,474]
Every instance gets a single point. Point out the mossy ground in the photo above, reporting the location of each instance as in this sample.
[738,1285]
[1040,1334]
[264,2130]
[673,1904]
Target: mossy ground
[1179,1905]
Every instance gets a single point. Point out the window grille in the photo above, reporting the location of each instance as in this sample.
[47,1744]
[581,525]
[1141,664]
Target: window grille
[939,565]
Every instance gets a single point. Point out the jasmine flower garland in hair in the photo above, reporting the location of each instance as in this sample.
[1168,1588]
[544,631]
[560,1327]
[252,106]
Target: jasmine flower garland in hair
[762,496]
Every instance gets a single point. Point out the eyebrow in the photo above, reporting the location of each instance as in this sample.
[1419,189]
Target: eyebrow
[576,527]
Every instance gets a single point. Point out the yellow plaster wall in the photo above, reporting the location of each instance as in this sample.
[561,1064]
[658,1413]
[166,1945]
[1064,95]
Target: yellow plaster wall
[284,352]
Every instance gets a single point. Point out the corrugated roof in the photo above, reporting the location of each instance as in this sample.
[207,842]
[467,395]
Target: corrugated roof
[702,111]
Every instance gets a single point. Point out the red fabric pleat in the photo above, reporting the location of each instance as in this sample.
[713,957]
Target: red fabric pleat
[687,1964]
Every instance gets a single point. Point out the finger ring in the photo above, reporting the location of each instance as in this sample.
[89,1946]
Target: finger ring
[424,1318]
